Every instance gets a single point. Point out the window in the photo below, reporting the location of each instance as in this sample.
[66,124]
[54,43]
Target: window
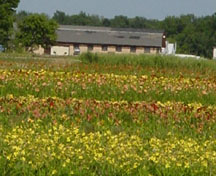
[118,48]
[76,46]
[76,49]
[120,36]
[158,50]
[147,50]
[104,48]
[134,37]
[90,47]
[132,49]
[1,48]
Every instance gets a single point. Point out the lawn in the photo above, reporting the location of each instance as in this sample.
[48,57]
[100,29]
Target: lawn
[146,115]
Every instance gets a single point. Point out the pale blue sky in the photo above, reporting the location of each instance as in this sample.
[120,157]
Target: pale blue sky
[154,9]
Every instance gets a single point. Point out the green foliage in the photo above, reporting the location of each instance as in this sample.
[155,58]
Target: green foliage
[95,20]
[124,115]
[7,9]
[194,35]
[21,15]
[72,119]
[89,57]
[37,29]
[80,19]
[144,60]
[120,21]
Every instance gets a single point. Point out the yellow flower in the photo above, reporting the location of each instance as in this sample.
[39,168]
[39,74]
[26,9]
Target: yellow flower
[9,157]
[54,172]
[167,165]
[153,158]
[68,160]
[80,157]
[68,139]
[205,163]
[178,164]
[187,165]
[23,159]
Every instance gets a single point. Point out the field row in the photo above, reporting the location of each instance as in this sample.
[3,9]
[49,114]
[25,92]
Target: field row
[107,86]
[149,116]
[59,149]
[119,64]
[92,114]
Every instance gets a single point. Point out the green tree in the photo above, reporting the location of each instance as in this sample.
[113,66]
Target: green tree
[61,18]
[194,35]
[21,15]
[120,21]
[84,20]
[7,9]
[37,29]
[106,22]
[137,22]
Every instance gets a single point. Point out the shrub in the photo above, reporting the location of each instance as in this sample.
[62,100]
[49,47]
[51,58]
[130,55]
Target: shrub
[89,57]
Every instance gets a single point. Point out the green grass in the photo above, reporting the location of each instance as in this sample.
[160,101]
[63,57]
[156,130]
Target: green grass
[107,115]
[152,61]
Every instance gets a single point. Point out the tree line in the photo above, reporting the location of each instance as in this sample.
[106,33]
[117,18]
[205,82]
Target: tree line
[194,35]
[24,30]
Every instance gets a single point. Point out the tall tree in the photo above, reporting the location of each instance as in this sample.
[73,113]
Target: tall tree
[21,15]
[60,17]
[37,29]
[106,22]
[120,21]
[194,35]
[138,22]
[7,9]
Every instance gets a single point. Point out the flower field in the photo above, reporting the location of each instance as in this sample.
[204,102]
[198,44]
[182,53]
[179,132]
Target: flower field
[63,118]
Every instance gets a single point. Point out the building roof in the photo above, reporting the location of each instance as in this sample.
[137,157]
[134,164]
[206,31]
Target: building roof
[109,36]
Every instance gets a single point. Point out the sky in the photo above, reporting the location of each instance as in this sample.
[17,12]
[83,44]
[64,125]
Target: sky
[151,9]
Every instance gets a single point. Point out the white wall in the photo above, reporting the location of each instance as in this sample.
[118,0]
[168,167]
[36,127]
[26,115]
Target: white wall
[60,50]
[39,50]
[214,53]
[170,48]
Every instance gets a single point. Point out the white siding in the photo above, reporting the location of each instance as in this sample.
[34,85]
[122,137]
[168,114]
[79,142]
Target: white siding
[39,50]
[214,53]
[60,50]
